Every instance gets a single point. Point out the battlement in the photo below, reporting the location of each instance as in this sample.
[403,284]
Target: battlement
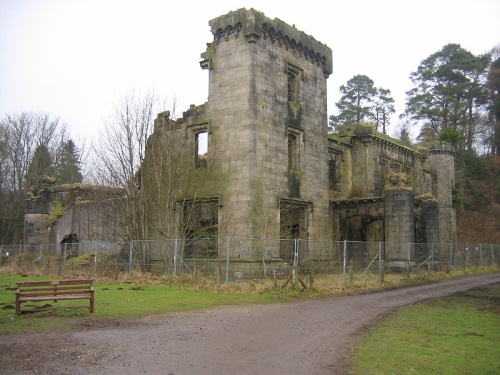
[254,26]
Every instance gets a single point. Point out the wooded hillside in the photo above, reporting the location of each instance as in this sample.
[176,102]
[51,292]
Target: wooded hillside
[478,198]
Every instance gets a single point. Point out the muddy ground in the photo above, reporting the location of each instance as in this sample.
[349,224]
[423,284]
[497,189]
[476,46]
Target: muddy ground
[307,337]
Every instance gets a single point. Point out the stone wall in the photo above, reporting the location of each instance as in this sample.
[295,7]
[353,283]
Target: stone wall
[72,213]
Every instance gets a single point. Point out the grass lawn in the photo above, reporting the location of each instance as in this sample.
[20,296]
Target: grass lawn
[117,301]
[453,335]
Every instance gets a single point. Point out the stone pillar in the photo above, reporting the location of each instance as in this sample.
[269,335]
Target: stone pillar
[430,217]
[441,164]
[399,222]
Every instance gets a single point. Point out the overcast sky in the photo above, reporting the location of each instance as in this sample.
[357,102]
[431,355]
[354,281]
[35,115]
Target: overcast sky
[75,58]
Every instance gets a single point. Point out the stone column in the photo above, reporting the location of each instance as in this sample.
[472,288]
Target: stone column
[399,222]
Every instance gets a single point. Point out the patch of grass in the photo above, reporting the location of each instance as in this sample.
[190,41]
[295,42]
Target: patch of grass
[117,301]
[459,334]
[141,294]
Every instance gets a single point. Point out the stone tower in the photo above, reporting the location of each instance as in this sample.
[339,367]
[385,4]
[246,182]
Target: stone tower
[441,165]
[264,172]
[267,106]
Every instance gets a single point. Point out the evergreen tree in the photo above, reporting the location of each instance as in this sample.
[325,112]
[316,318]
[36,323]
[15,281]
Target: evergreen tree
[449,92]
[355,104]
[41,165]
[361,101]
[383,109]
[494,86]
[68,164]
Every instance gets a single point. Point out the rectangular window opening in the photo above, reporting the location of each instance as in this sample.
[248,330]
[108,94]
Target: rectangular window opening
[294,76]
[201,145]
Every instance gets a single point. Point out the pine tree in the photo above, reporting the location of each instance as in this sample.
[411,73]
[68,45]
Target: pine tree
[361,101]
[41,165]
[68,164]
[449,92]
[494,86]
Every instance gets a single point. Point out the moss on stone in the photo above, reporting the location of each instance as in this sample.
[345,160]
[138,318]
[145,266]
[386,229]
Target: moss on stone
[397,181]
[58,208]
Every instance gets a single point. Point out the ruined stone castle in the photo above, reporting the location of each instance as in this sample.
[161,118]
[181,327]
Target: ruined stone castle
[256,160]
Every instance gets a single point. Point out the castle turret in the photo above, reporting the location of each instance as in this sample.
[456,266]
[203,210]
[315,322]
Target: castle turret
[441,164]
[267,107]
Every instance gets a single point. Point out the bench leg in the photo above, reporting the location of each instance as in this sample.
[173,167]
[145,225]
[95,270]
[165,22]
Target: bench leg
[18,306]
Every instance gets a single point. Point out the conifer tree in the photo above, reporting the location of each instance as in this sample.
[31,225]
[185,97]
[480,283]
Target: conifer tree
[41,165]
[362,101]
[68,164]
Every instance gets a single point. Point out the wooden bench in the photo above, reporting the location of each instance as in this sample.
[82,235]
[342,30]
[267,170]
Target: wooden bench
[58,290]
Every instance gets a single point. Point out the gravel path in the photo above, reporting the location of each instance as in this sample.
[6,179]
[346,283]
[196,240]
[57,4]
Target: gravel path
[307,337]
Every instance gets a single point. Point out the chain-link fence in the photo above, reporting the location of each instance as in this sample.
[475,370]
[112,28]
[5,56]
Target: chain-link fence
[228,260]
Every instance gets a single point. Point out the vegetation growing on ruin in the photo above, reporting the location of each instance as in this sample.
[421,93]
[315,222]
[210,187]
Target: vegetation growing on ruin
[398,181]
[58,208]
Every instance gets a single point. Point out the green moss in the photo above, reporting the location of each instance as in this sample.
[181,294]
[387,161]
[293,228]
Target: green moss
[203,182]
[295,110]
[364,128]
[58,208]
[294,178]
[82,260]
[398,181]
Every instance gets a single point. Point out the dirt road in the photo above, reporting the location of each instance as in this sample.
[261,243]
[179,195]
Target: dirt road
[309,337]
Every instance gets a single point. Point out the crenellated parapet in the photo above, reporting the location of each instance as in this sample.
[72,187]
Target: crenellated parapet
[255,26]
[189,117]
[441,148]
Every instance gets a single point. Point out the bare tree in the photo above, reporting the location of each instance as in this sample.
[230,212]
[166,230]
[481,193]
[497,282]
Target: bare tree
[119,154]
[21,134]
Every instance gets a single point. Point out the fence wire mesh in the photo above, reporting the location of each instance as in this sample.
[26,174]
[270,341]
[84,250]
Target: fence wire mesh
[232,259]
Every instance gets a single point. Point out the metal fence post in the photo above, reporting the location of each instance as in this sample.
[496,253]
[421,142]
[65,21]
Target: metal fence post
[176,252]
[130,259]
[295,261]
[380,263]
[408,261]
[63,261]
[344,264]
[492,256]
[451,254]
[227,259]
[432,257]
[95,263]
[480,256]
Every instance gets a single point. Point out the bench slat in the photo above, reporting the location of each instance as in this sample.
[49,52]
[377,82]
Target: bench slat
[54,290]
[55,297]
[55,282]
[56,293]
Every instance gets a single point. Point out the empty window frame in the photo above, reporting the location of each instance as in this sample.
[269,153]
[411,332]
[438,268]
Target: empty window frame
[200,226]
[201,149]
[332,173]
[294,75]
[293,151]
